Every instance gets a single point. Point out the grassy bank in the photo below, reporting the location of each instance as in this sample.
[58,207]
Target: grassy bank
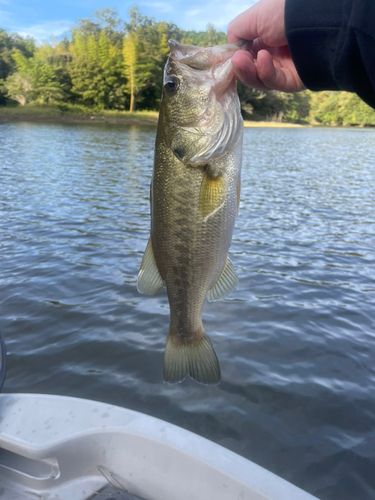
[66,113]
[79,114]
[247,123]
[74,114]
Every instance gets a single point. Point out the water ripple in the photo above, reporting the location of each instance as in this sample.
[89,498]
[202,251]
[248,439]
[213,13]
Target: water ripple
[295,340]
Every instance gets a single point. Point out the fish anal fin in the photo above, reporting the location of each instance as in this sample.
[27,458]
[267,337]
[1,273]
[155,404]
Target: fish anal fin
[212,194]
[149,280]
[196,358]
[227,282]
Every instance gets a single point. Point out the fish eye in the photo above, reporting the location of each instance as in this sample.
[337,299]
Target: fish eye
[172,84]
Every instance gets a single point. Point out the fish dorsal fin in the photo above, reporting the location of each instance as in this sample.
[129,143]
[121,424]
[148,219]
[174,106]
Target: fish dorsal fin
[227,282]
[149,280]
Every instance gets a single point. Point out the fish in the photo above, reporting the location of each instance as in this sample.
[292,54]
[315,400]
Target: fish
[194,200]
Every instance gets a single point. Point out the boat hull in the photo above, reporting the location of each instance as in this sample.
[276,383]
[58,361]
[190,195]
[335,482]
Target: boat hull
[61,447]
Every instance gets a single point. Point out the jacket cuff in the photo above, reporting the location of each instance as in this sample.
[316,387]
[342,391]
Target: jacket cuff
[313,30]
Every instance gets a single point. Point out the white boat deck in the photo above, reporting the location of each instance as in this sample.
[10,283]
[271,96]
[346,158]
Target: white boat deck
[61,448]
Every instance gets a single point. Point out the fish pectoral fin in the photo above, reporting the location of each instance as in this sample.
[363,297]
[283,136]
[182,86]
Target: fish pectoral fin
[149,280]
[212,194]
[227,282]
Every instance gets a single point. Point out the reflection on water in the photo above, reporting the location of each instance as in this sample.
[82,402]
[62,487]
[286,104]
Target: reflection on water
[296,341]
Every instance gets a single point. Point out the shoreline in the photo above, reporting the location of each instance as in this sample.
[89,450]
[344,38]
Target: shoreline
[78,119]
[54,114]
[250,124]
[119,120]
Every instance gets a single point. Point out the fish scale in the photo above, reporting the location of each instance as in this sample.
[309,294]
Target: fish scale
[194,199]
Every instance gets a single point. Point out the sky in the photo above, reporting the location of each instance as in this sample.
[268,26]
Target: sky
[42,18]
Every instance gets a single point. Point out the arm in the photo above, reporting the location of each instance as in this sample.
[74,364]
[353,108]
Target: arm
[318,44]
[332,43]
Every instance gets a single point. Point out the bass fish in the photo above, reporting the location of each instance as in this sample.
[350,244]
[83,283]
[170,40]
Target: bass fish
[195,193]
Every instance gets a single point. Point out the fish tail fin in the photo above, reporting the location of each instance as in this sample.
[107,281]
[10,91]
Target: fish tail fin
[196,358]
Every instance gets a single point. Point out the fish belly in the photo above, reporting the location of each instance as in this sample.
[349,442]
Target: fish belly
[190,250]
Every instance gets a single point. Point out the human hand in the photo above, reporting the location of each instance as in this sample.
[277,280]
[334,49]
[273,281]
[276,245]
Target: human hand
[269,64]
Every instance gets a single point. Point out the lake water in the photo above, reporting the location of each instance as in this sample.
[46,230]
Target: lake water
[296,340]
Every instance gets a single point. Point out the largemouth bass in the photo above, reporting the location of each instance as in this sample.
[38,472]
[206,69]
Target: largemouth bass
[195,192]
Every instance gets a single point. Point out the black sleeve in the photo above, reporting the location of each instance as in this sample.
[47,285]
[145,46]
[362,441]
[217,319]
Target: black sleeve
[332,44]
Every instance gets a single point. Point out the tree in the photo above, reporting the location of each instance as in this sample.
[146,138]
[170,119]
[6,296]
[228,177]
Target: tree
[9,43]
[143,59]
[108,19]
[47,88]
[130,53]
[162,29]
[35,80]
[354,111]
[106,65]
[273,105]
[96,69]
[18,87]
[324,107]
[211,37]
[137,20]
[298,108]
[338,108]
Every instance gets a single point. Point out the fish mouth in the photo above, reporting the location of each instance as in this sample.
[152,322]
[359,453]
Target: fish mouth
[218,123]
[215,61]
[203,58]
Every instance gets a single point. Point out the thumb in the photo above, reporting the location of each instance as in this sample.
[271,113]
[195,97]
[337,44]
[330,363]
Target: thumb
[265,19]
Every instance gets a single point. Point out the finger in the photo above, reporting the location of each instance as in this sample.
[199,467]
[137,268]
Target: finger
[244,26]
[258,45]
[275,76]
[265,19]
[245,70]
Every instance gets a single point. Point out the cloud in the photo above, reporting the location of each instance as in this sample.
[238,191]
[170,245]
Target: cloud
[219,13]
[4,2]
[44,31]
[4,16]
[192,13]
[160,6]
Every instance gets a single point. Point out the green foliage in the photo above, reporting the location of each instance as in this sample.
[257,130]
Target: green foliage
[131,54]
[96,69]
[340,108]
[147,41]
[8,44]
[213,37]
[298,107]
[273,105]
[63,110]
[106,64]
[47,88]
[35,80]
[18,87]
